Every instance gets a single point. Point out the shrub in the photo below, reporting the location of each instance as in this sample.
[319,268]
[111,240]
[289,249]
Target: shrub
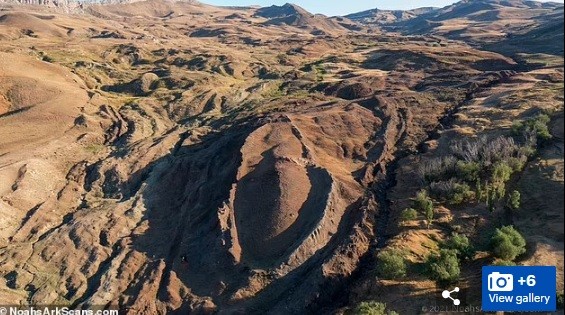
[461,193]
[47,59]
[499,149]
[437,169]
[372,308]
[487,195]
[468,171]
[501,172]
[445,266]
[282,59]
[517,164]
[409,214]
[461,244]
[537,125]
[514,200]
[527,151]
[479,194]
[422,201]
[560,300]
[429,213]
[391,264]
[498,190]
[507,243]
[451,191]
[485,151]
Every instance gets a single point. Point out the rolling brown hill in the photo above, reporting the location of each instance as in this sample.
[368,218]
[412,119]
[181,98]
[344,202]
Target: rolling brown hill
[175,157]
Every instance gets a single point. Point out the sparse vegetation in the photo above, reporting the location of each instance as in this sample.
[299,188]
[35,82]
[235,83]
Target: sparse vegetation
[282,59]
[317,68]
[372,308]
[507,243]
[94,148]
[273,91]
[391,264]
[47,59]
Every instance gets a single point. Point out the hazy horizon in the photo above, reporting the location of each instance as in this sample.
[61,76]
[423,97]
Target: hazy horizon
[336,7]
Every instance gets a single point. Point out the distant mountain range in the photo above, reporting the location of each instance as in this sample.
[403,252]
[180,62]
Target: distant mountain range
[74,5]
[498,23]
[381,17]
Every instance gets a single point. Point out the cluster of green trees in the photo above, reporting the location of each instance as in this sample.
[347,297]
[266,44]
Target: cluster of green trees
[476,171]
[444,267]
[535,128]
[506,245]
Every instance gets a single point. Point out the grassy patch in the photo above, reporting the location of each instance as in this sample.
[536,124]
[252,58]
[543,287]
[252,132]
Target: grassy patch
[94,148]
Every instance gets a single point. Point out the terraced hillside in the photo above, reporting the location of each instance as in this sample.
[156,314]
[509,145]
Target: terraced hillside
[168,157]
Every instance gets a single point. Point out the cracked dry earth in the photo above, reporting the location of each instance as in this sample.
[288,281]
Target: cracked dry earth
[180,157]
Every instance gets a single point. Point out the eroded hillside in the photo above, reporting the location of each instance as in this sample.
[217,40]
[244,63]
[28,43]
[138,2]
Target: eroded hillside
[173,156]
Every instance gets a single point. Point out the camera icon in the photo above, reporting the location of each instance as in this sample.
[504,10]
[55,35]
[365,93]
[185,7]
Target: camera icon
[500,282]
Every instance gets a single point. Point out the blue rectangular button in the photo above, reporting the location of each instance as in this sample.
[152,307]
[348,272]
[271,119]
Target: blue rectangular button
[519,288]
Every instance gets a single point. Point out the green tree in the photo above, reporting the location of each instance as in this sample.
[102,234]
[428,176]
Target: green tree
[499,190]
[491,200]
[501,172]
[372,308]
[468,171]
[491,197]
[409,214]
[429,213]
[421,201]
[445,266]
[507,243]
[461,244]
[479,190]
[391,264]
[517,164]
[461,193]
[538,125]
[425,204]
[514,200]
